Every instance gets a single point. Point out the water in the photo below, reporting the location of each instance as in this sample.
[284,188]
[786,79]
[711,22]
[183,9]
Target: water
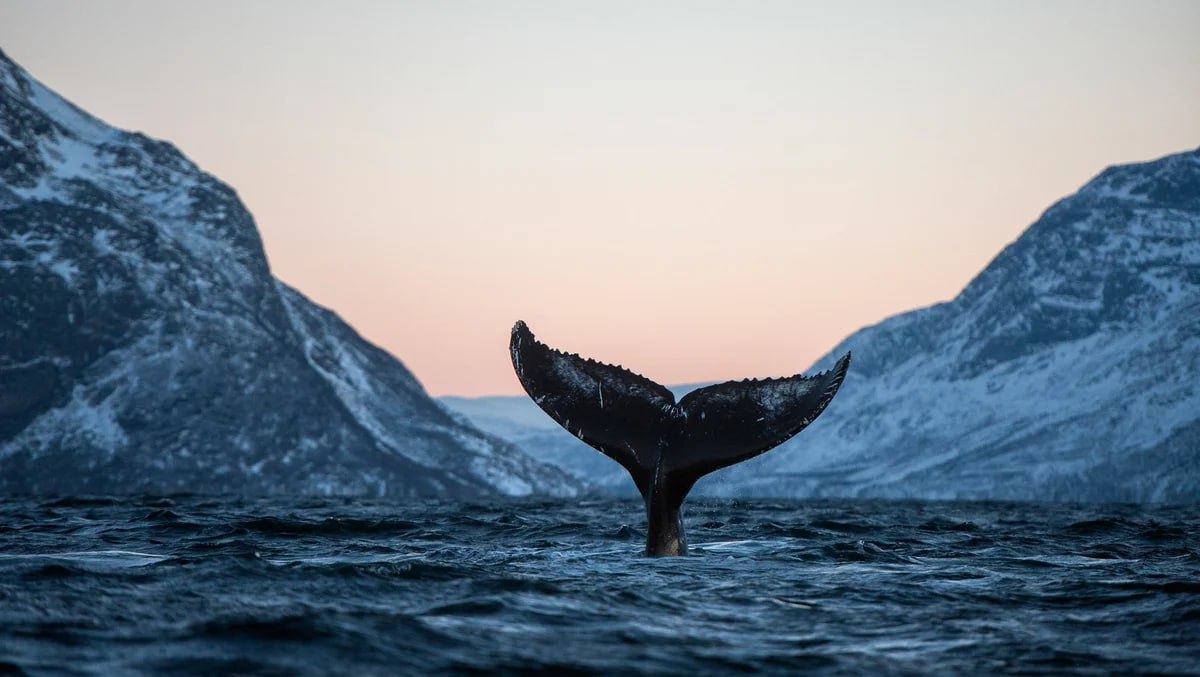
[312,586]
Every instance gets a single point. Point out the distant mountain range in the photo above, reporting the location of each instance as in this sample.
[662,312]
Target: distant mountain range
[1069,369]
[146,347]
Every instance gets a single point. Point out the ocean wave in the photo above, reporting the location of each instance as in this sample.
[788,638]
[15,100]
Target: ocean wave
[203,584]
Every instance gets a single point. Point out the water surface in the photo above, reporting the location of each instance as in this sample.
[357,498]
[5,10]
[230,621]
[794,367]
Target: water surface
[194,584]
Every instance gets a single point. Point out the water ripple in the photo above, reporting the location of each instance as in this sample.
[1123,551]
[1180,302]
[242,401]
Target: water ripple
[310,586]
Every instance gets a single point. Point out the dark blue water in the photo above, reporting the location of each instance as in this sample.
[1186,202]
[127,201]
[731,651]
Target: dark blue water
[313,586]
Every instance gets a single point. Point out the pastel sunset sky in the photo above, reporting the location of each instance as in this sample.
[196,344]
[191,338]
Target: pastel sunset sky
[695,190]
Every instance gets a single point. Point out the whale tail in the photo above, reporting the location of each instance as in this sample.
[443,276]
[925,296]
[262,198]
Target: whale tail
[667,445]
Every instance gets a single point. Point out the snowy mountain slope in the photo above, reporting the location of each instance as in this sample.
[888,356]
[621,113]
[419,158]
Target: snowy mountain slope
[1068,369]
[145,345]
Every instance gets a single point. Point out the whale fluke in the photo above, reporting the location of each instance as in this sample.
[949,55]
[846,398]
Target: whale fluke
[667,445]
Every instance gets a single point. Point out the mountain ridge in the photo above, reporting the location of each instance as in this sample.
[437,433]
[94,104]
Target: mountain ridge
[1093,311]
[145,345]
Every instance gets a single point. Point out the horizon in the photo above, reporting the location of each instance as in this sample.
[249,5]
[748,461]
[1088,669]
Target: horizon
[677,202]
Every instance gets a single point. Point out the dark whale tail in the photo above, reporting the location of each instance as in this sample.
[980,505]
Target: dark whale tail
[667,445]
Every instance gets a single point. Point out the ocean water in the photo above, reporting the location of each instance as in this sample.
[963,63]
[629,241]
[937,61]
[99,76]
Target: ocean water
[312,586]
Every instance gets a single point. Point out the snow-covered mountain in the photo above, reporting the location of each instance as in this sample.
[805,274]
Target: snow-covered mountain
[1069,369]
[145,345]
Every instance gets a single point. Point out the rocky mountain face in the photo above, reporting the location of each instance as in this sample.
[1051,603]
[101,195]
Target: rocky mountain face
[1069,369]
[146,347]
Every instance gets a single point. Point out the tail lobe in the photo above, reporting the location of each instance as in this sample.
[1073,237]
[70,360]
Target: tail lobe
[734,421]
[621,414]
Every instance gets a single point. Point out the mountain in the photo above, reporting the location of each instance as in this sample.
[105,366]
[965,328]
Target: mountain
[1069,369]
[146,347]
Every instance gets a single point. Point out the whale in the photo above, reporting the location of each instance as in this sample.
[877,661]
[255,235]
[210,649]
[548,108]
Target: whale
[666,446]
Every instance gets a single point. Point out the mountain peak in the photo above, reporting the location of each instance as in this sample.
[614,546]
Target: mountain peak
[1064,371]
[1060,371]
[146,346]
[1173,181]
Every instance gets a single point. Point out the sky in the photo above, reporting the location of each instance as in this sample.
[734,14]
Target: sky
[696,190]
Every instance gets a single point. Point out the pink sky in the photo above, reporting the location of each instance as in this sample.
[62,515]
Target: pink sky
[698,191]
